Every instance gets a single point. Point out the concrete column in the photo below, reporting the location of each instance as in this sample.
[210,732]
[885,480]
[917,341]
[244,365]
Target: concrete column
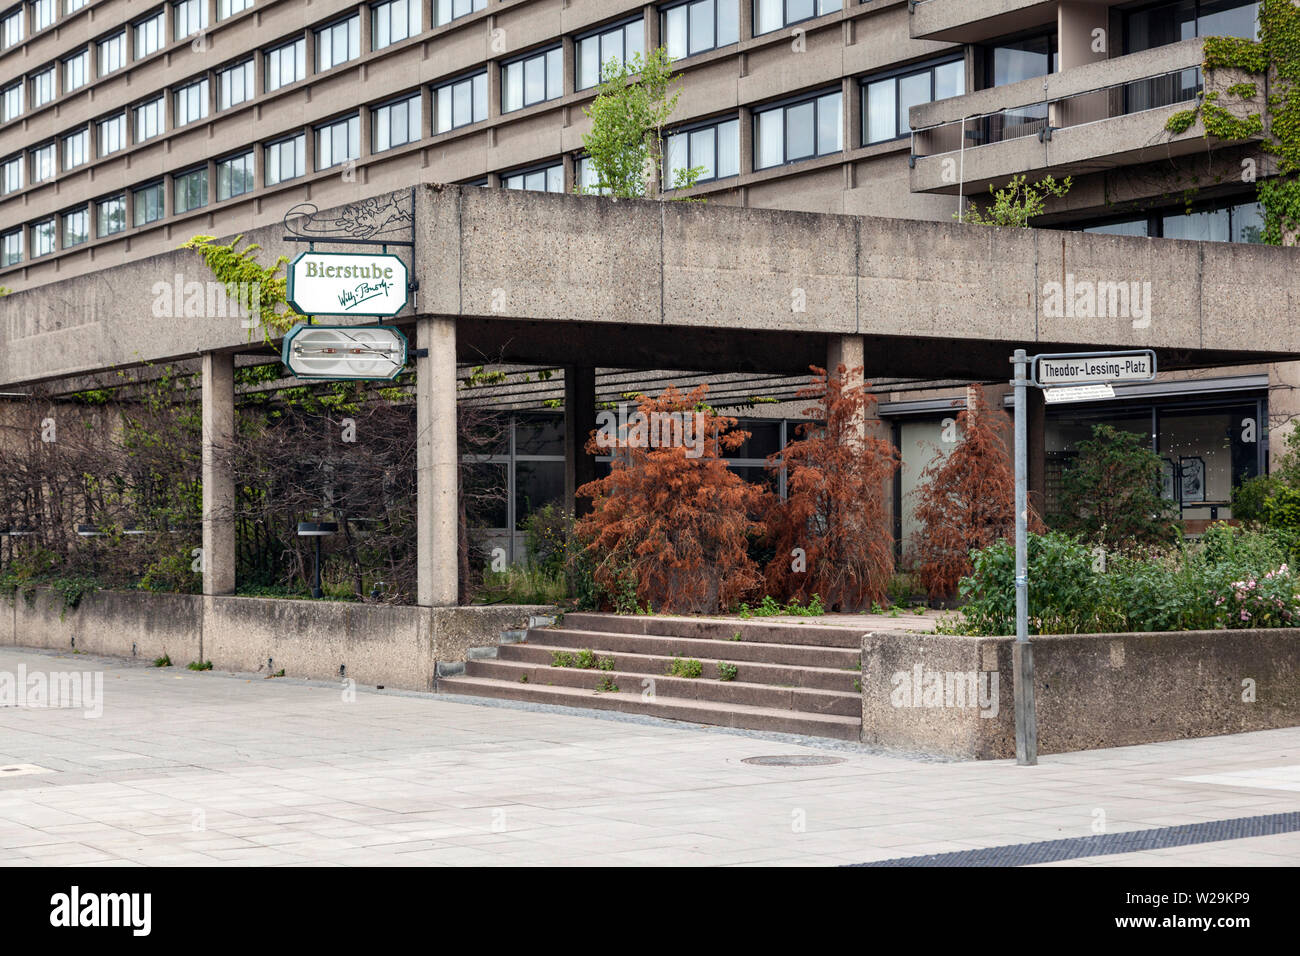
[1076,42]
[437,472]
[850,351]
[652,40]
[218,482]
[579,422]
[1283,408]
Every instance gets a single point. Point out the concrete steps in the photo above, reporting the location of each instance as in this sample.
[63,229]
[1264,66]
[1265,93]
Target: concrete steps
[800,679]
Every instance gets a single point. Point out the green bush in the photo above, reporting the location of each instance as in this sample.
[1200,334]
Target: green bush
[1248,497]
[1111,494]
[689,668]
[1065,596]
[1230,578]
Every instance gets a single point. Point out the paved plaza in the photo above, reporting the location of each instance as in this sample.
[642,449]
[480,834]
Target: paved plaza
[208,769]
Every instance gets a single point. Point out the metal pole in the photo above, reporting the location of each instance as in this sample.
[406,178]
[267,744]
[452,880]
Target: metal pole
[1022,653]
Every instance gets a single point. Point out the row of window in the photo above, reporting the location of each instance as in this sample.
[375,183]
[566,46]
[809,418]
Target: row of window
[188,18]
[688,28]
[783,133]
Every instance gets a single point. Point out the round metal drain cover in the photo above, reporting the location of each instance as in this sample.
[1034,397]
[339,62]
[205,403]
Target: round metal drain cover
[793,760]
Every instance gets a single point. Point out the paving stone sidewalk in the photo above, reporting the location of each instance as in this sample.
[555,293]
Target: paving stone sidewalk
[210,769]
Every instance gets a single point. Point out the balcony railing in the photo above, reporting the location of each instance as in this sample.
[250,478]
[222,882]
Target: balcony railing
[1034,119]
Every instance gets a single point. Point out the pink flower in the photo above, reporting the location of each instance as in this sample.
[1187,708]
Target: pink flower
[1245,615]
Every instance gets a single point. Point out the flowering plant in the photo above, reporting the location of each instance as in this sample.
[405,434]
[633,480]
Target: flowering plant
[1267,600]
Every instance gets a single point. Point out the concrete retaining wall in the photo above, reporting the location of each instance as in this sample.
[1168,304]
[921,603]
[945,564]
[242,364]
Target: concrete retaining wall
[396,646]
[1093,690]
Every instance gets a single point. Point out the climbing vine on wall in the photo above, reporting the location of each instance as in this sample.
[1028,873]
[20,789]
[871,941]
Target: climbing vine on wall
[1274,62]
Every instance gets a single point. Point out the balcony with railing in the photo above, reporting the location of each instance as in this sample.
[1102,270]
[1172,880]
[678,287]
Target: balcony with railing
[1067,123]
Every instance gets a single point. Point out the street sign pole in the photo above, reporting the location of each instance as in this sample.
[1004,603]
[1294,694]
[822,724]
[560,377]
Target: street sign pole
[1022,652]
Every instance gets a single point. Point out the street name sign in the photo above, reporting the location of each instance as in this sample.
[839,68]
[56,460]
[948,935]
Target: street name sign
[347,283]
[368,352]
[1094,368]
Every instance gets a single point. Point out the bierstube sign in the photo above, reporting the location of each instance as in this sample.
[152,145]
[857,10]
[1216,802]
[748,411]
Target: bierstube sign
[347,283]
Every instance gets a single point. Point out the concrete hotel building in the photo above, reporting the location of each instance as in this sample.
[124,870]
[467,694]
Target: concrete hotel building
[129,126]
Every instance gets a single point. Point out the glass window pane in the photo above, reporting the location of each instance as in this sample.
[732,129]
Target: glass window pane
[462,103]
[480,97]
[912,91]
[677,156]
[882,123]
[589,66]
[702,145]
[535,181]
[1209,226]
[534,80]
[769,139]
[729,149]
[769,17]
[634,39]
[728,21]
[800,10]
[514,86]
[830,126]
[1248,223]
[443,110]
[675,33]
[554,74]
[555,179]
[950,80]
[799,133]
[702,26]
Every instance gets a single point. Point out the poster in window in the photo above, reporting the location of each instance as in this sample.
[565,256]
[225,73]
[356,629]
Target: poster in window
[1167,470]
[1193,478]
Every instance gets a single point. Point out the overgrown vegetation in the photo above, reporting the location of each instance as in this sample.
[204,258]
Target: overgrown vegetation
[1016,203]
[625,145]
[1238,112]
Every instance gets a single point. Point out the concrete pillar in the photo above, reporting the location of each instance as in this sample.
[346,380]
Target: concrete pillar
[437,472]
[218,390]
[850,351]
[1283,408]
[1077,42]
[579,422]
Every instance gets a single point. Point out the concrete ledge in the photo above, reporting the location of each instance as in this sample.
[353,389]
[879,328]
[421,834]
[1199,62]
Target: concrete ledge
[952,695]
[389,645]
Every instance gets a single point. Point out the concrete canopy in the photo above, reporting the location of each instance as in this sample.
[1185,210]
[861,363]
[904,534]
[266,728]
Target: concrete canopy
[554,279]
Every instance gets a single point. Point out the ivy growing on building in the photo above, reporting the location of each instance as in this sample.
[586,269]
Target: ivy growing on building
[1234,113]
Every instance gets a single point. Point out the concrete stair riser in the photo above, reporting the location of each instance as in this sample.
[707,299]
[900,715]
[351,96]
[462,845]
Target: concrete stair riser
[724,650]
[701,712]
[698,689]
[752,672]
[687,627]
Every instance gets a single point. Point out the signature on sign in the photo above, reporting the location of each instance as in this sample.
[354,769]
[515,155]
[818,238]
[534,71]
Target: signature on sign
[351,298]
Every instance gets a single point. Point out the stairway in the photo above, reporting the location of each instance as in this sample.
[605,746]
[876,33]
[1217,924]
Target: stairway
[790,678]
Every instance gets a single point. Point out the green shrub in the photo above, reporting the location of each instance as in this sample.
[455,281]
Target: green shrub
[585,660]
[199,665]
[1230,578]
[1065,596]
[561,659]
[546,538]
[1248,497]
[726,671]
[1111,494]
[1282,508]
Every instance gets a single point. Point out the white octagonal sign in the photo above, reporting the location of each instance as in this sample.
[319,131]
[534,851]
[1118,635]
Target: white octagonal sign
[347,283]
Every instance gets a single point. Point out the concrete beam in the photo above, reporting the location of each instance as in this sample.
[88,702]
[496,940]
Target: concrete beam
[687,285]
